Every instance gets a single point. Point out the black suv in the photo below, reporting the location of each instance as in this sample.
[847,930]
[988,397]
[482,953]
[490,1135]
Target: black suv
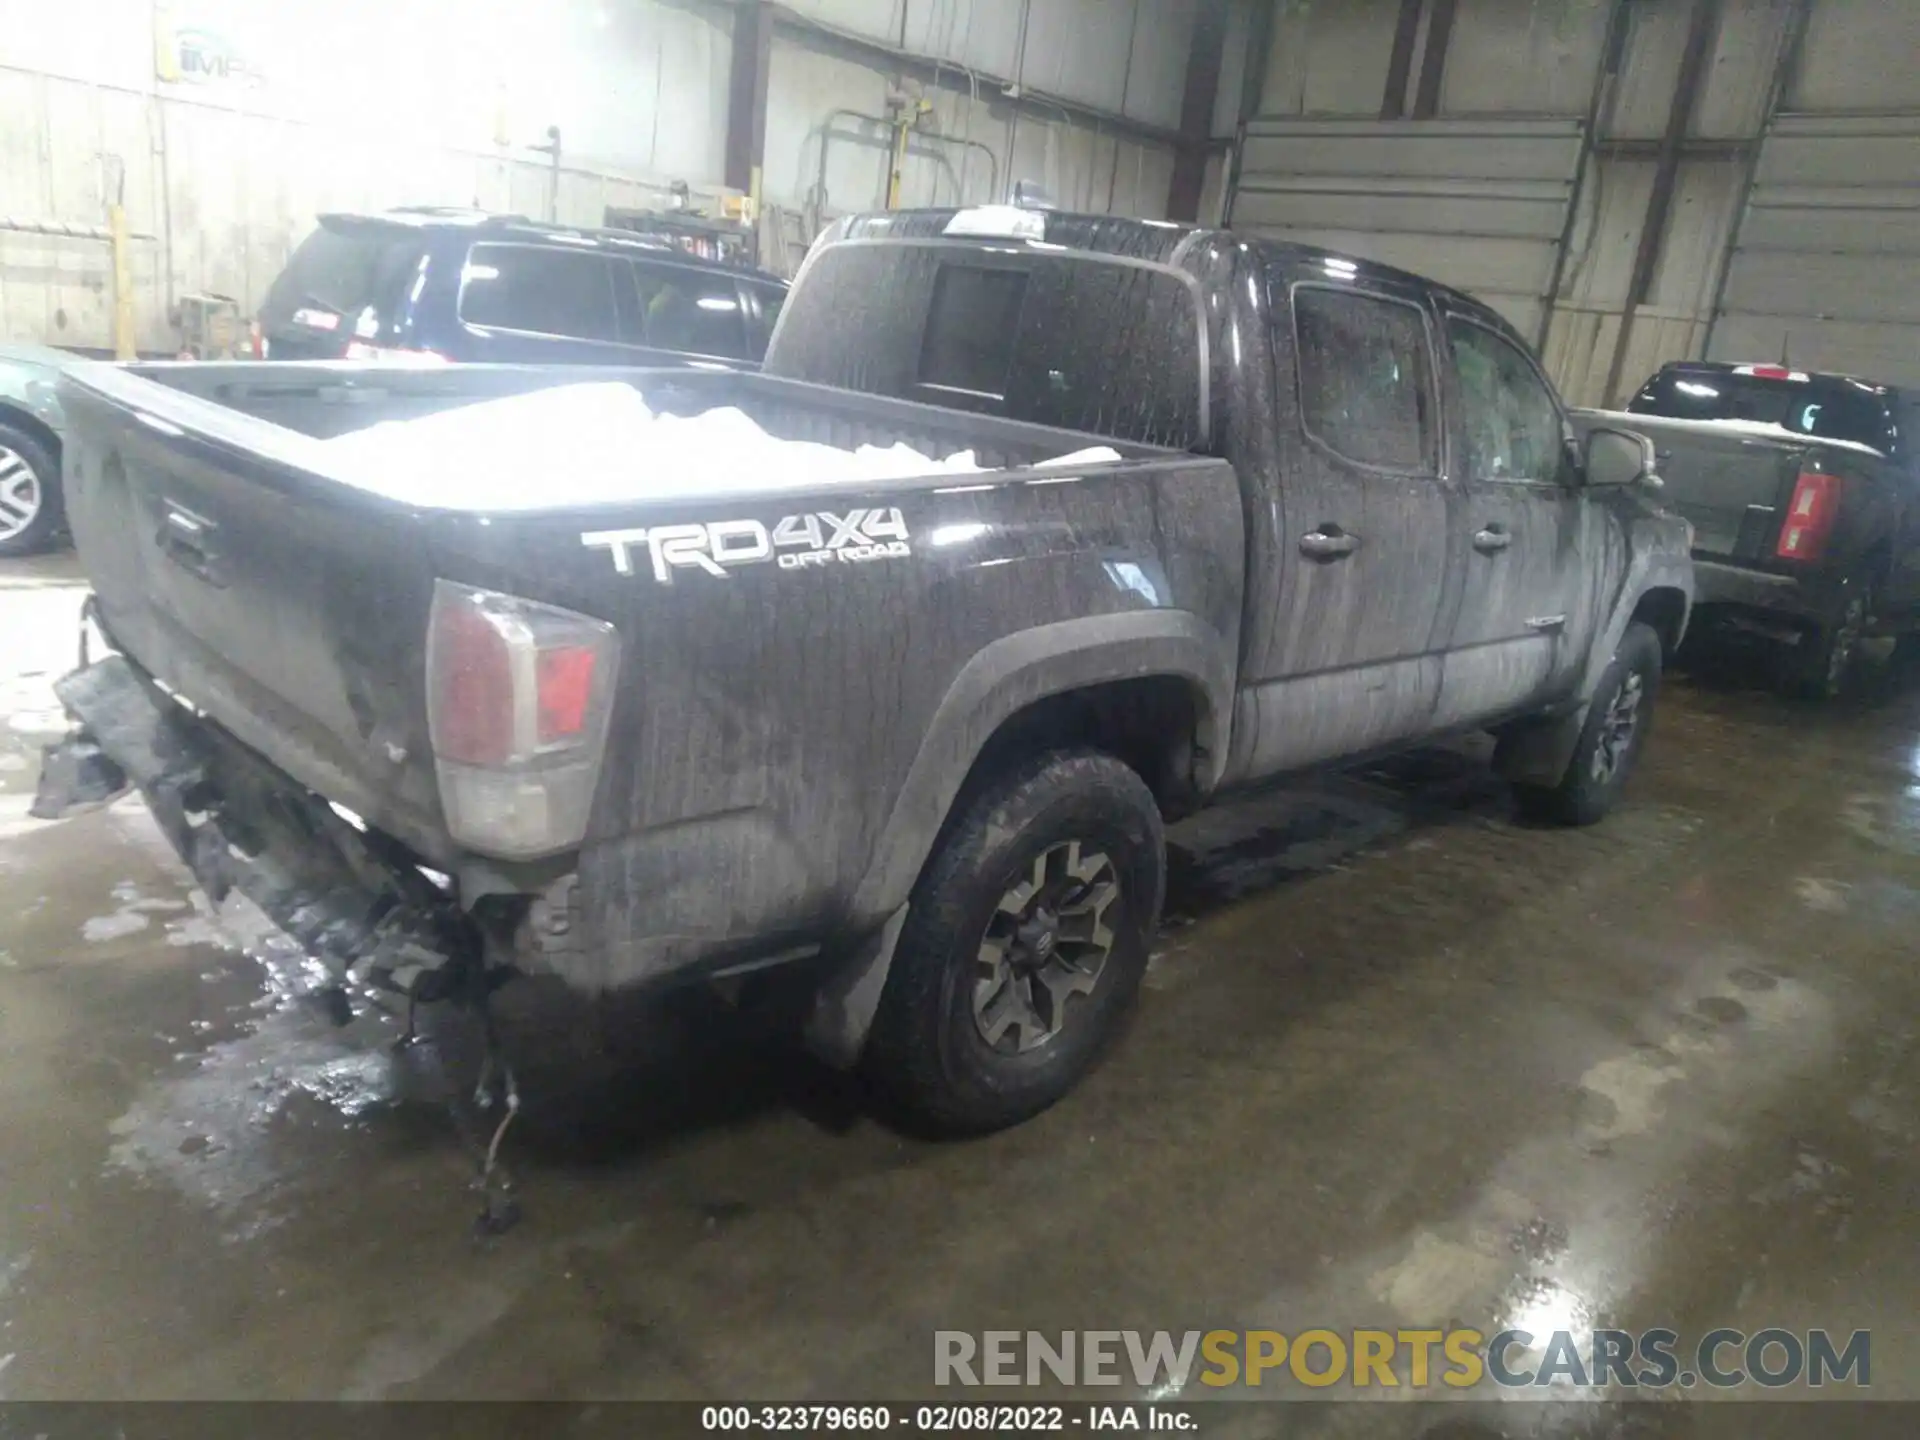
[425,284]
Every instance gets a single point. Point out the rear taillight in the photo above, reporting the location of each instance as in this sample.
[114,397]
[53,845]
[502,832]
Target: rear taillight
[518,696]
[256,341]
[1810,516]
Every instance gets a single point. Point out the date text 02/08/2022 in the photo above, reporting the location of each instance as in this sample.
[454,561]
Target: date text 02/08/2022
[945,1419]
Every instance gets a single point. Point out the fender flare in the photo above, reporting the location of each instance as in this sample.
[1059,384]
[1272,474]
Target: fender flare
[1003,679]
[1007,676]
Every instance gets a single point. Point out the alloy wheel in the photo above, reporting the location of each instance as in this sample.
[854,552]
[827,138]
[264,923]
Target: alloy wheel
[20,494]
[1617,727]
[1048,942]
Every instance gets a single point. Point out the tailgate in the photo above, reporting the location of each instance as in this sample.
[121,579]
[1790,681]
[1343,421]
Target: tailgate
[1733,487]
[290,609]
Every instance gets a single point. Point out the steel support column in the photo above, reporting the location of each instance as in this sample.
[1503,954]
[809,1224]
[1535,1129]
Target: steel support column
[1433,60]
[1703,24]
[1792,42]
[1406,34]
[1196,110]
[747,95]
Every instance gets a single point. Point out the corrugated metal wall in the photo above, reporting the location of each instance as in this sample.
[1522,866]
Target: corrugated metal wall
[226,173]
[1824,274]
[1130,61]
[1584,344]
[1826,266]
[1479,204]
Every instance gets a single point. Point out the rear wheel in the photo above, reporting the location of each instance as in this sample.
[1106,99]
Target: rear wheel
[1822,660]
[1610,739]
[29,494]
[1024,945]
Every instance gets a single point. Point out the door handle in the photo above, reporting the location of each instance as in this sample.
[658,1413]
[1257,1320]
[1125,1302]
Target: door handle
[1491,539]
[1329,542]
[189,540]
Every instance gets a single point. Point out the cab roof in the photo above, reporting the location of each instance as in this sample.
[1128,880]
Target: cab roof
[1161,241]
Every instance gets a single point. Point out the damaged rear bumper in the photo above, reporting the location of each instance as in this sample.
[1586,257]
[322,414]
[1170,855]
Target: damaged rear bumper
[354,899]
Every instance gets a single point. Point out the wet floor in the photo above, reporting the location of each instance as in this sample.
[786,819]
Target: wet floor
[1401,1061]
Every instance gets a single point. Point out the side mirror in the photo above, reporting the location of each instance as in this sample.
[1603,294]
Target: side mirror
[1619,457]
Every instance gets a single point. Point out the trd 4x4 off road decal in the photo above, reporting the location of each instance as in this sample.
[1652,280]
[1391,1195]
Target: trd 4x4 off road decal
[796,542]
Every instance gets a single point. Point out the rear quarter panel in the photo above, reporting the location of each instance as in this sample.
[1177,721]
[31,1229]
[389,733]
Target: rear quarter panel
[786,741]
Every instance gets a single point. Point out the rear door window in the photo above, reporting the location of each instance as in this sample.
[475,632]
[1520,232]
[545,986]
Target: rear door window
[1366,378]
[539,290]
[690,310]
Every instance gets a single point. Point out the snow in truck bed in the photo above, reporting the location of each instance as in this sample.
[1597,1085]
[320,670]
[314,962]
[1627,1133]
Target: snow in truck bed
[600,441]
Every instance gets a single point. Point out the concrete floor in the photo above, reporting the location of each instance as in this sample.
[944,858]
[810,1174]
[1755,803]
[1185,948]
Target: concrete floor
[1400,1061]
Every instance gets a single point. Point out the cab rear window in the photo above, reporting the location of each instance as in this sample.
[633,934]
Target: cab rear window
[1084,342]
[1820,408]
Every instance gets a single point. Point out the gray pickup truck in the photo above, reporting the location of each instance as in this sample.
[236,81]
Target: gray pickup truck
[906,744]
[1804,493]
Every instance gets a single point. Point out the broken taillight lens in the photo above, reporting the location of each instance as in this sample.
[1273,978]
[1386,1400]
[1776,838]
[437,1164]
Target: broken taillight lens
[472,703]
[518,696]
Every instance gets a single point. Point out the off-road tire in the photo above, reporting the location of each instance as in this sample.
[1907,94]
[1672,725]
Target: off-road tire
[1590,787]
[927,1056]
[1821,663]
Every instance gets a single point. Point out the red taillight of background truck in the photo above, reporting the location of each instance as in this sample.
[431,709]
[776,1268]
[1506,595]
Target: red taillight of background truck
[518,697]
[1810,516]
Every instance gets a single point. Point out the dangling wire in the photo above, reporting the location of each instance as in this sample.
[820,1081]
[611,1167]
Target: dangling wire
[499,1210]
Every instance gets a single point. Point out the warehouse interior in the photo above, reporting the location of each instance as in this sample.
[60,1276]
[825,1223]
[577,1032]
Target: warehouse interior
[1734,179]
[1402,1058]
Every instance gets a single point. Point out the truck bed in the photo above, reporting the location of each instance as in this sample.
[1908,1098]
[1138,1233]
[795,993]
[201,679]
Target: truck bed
[1732,481]
[292,608]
